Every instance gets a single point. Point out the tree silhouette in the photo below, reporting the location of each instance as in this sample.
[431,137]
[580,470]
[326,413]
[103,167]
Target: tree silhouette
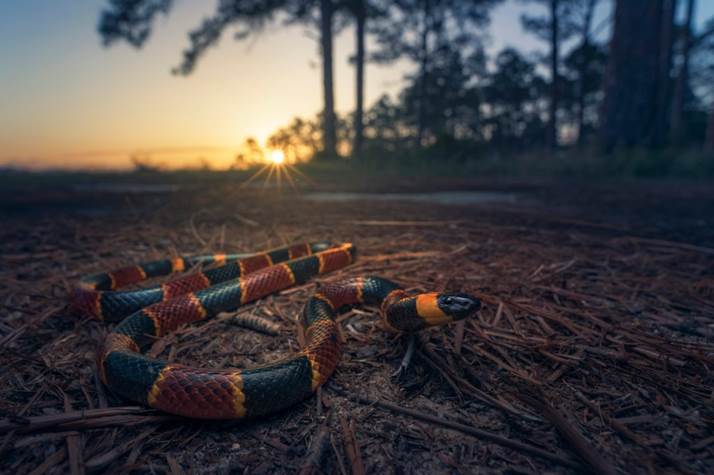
[417,29]
[513,93]
[585,56]
[384,128]
[457,99]
[702,76]
[709,140]
[633,80]
[554,28]
[361,11]
[682,78]
[299,141]
[442,91]
[701,83]
[583,73]
[249,154]
[328,87]
[131,20]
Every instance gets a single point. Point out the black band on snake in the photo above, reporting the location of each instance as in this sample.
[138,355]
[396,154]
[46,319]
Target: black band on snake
[240,393]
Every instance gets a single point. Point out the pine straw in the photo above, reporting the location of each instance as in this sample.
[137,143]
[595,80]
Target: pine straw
[594,346]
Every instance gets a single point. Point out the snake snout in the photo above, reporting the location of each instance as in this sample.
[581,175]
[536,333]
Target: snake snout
[459,305]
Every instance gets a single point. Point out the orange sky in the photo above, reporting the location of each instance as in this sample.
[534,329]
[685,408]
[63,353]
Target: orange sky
[68,102]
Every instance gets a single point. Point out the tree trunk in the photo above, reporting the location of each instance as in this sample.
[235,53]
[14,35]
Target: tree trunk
[680,85]
[632,82]
[709,141]
[584,46]
[664,96]
[552,140]
[360,20]
[329,126]
[702,37]
[421,112]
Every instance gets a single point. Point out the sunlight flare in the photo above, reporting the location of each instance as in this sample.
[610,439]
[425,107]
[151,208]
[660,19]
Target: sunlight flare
[277,157]
[276,171]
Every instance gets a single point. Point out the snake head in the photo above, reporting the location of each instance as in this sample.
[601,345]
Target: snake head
[458,305]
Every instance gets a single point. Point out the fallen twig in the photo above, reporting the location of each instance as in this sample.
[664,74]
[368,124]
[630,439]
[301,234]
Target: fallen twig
[351,446]
[74,440]
[478,433]
[313,460]
[53,460]
[573,437]
[73,419]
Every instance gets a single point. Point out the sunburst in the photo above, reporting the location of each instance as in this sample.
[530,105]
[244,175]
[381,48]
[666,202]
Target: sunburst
[275,170]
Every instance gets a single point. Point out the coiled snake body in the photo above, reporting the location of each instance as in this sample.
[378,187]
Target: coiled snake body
[235,393]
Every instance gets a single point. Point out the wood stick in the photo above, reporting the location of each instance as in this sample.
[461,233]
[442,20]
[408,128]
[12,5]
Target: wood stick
[614,423]
[573,437]
[313,461]
[443,371]
[74,445]
[53,460]
[440,364]
[174,466]
[351,446]
[102,460]
[37,423]
[478,433]
[338,456]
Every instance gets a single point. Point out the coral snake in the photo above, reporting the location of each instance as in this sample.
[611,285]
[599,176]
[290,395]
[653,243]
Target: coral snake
[239,393]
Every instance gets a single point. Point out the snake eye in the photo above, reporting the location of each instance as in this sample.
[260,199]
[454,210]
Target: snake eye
[458,305]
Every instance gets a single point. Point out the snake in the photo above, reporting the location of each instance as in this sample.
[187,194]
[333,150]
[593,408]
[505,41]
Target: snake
[231,393]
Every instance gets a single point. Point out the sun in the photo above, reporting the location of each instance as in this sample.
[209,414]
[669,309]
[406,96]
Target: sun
[275,169]
[277,157]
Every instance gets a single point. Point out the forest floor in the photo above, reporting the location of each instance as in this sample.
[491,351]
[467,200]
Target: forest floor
[593,350]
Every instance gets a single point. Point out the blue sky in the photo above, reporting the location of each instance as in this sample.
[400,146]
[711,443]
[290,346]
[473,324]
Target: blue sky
[67,101]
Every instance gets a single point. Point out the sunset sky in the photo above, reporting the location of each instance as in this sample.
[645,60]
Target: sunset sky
[68,102]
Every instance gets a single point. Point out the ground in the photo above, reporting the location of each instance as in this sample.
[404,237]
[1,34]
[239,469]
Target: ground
[594,345]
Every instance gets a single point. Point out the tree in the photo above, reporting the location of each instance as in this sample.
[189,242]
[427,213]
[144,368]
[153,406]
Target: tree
[358,9]
[702,78]
[585,55]
[583,72]
[664,90]
[415,29]
[555,29]
[384,127]
[328,87]
[682,79]
[709,140]
[442,91]
[512,101]
[633,79]
[131,20]
[249,154]
[299,141]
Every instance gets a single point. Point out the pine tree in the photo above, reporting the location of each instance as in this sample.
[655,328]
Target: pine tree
[556,27]
[633,80]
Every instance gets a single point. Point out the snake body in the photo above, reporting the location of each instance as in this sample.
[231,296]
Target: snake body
[96,294]
[241,393]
